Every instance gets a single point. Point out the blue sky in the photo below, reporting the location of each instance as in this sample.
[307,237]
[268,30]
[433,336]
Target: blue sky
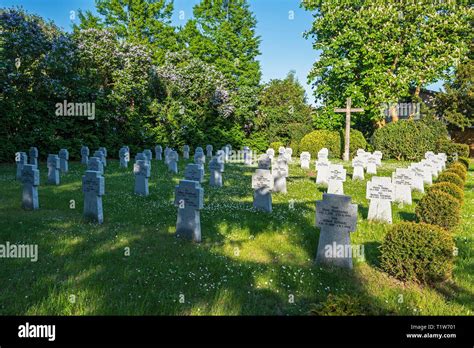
[281,24]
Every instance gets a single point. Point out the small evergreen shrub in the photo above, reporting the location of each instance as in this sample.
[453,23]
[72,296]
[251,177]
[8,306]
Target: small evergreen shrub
[450,148]
[458,166]
[439,208]
[417,252]
[449,188]
[451,177]
[464,161]
[343,305]
[459,172]
[318,139]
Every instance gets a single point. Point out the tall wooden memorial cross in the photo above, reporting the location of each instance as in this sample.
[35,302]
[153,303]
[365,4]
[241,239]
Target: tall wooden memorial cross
[348,111]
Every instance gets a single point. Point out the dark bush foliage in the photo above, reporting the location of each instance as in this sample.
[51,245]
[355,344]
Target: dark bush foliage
[418,252]
[439,208]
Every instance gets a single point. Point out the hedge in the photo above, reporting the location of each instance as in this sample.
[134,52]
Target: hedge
[451,177]
[318,139]
[449,188]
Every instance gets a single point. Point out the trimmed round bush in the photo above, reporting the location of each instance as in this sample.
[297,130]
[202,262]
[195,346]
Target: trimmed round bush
[449,188]
[357,141]
[439,208]
[459,172]
[459,167]
[318,139]
[464,161]
[417,252]
[451,177]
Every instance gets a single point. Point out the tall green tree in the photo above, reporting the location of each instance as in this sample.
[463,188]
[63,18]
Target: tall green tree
[222,33]
[283,113]
[456,104]
[375,51]
[142,22]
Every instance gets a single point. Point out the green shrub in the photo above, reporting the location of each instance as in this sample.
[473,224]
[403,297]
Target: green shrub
[449,188]
[318,139]
[459,167]
[407,139]
[450,148]
[347,305]
[464,161]
[439,208]
[451,177]
[459,172]
[276,145]
[417,252]
[356,142]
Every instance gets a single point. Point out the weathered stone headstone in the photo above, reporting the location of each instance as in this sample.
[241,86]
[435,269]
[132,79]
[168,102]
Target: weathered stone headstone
[336,217]
[380,192]
[358,165]
[372,164]
[189,198]
[264,162]
[186,151]
[95,164]
[402,180]
[418,177]
[360,152]
[194,172]
[262,183]
[53,169]
[149,156]
[141,169]
[21,159]
[282,152]
[305,159]
[271,153]
[322,166]
[33,156]
[209,149]
[100,155]
[173,162]
[63,160]
[337,176]
[247,156]
[167,152]
[199,157]
[31,180]
[429,171]
[216,168]
[84,155]
[158,152]
[280,173]
[93,186]
[323,154]
[104,159]
[124,155]
[378,155]
[289,154]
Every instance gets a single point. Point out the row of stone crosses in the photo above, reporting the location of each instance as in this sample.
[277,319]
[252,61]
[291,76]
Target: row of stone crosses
[270,176]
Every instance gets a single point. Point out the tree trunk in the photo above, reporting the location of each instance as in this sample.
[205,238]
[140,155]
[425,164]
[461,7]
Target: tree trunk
[394,113]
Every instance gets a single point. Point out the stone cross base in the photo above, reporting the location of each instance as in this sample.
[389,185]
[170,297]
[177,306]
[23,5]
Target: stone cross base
[371,168]
[84,160]
[93,208]
[329,238]
[53,177]
[173,167]
[262,200]
[402,194]
[380,210]
[358,173]
[279,184]
[141,185]
[188,225]
[215,178]
[30,197]
[123,163]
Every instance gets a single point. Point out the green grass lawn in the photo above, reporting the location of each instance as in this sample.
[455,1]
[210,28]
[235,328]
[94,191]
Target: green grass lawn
[249,263]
